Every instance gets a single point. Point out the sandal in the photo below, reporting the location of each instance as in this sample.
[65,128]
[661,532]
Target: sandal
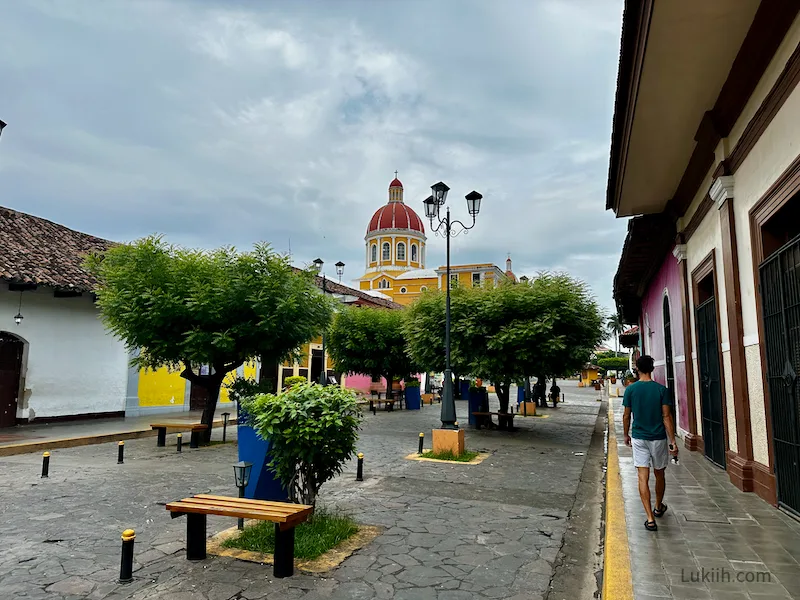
[659,512]
[650,526]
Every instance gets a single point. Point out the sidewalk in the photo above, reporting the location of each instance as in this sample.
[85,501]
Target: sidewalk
[69,434]
[714,542]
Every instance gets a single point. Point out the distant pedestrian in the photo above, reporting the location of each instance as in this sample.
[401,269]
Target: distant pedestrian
[650,404]
[555,393]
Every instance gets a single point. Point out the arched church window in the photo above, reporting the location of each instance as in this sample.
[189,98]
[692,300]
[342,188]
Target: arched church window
[414,253]
[383,284]
[387,251]
[401,251]
[374,253]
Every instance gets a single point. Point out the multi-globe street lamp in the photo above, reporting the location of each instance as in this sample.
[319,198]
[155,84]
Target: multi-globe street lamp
[444,227]
[318,263]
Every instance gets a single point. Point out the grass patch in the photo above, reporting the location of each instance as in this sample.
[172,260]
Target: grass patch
[468,456]
[312,538]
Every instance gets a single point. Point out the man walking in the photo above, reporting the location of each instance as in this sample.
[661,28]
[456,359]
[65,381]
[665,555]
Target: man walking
[649,403]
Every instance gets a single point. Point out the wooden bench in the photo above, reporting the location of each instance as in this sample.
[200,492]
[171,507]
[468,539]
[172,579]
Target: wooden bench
[163,428]
[285,515]
[505,420]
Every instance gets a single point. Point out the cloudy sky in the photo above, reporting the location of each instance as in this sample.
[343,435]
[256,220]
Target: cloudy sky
[222,122]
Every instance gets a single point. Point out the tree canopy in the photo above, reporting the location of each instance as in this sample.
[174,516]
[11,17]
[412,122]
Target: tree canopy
[618,363]
[370,341]
[547,326]
[183,308]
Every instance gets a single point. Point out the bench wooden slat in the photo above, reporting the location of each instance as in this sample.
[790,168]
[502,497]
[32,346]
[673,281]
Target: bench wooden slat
[224,511]
[182,426]
[232,503]
[253,501]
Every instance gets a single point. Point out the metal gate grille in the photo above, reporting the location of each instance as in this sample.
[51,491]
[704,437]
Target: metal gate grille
[780,294]
[710,384]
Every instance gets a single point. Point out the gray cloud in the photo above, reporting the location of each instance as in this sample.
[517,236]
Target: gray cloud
[218,122]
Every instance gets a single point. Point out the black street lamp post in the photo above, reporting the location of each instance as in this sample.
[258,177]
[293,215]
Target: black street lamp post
[318,262]
[433,204]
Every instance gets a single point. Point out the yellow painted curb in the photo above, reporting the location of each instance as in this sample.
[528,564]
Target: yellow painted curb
[617,580]
[331,559]
[482,456]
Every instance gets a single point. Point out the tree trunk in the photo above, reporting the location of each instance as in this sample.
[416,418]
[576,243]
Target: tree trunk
[212,385]
[501,389]
[389,384]
[456,386]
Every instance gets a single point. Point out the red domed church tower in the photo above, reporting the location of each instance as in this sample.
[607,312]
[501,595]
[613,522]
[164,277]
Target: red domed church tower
[395,245]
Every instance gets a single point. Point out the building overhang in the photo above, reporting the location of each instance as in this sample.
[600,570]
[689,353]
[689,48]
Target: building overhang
[649,240]
[686,71]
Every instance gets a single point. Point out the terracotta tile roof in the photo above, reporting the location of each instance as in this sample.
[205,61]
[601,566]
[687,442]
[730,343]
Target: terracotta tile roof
[338,288]
[38,251]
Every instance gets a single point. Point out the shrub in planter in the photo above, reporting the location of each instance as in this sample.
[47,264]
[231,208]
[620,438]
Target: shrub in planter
[243,387]
[294,380]
[312,430]
[412,382]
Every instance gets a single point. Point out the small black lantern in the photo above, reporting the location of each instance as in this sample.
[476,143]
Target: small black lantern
[440,192]
[241,472]
[431,208]
[318,262]
[474,203]
[340,270]
[523,279]
[18,317]
[2,126]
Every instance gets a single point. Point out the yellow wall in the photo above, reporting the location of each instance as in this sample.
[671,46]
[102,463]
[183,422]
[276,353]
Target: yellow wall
[161,388]
[406,263]
[589,375]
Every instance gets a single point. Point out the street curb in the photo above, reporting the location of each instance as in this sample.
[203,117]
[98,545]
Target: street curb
[617,579]
[86,440]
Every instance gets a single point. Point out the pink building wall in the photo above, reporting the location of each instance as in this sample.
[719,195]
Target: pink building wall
[666,282]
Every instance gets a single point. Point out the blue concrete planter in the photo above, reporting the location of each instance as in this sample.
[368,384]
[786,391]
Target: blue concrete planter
[520,395]
[263,484]
[478,402]
[464,389]
[413,399]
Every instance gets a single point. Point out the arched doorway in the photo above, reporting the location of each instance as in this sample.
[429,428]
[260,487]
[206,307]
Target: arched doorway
[11,350]
[670,367]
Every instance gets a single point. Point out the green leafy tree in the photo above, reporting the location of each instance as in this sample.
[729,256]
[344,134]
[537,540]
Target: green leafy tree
[312,431]
[504,334]
[370,341]
[183,308]
[615,327]
[618,363]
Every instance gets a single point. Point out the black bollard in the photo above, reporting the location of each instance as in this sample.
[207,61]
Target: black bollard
[225,417]
[121,453]
[126,564]
[46,464]
[421,441]
[360,469]
[180,442]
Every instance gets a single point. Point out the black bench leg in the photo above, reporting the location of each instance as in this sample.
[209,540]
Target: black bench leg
[194,441]
[195,536]
[162,437]
[284,552]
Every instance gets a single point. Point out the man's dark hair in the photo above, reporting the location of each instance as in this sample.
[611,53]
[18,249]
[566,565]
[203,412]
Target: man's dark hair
[644,364]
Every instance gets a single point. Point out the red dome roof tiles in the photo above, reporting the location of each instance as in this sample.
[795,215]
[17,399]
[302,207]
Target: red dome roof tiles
[395,215]
[396,183]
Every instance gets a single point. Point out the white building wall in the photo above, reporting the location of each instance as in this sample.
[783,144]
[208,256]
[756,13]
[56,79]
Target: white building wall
[777,147]
[73,366]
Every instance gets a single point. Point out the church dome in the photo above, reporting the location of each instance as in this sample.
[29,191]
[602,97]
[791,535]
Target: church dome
[395,215]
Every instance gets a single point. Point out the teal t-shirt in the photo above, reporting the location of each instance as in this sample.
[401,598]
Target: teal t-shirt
[645,398]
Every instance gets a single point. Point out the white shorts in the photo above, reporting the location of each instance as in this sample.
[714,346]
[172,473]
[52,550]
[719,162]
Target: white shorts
[650,453]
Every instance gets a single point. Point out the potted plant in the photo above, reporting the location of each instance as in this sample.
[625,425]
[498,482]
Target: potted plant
[313,431]
[413,398]
[263,484]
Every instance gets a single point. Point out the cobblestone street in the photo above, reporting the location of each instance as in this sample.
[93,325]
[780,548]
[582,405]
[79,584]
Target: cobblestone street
[492,530]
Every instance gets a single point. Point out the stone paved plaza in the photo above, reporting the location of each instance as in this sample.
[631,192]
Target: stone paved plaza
[450,532]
